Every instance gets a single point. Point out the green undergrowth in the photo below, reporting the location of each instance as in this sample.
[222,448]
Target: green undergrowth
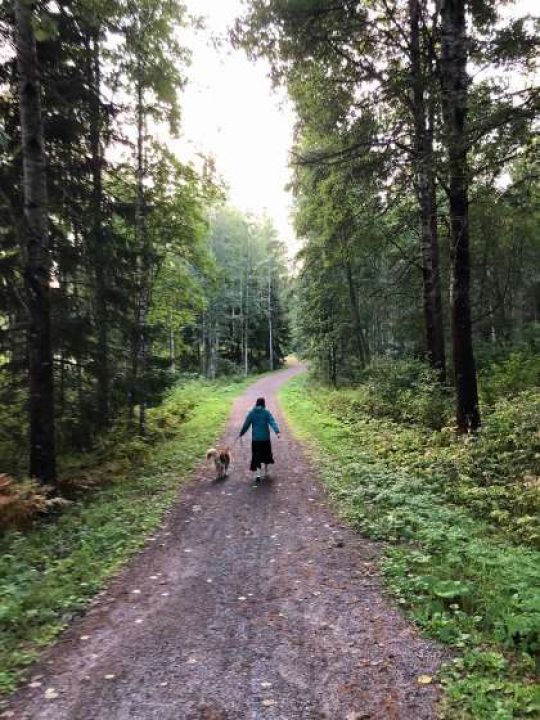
[467,581]
[49,573]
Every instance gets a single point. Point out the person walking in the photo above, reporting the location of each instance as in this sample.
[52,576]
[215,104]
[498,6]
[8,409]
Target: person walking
[261,420]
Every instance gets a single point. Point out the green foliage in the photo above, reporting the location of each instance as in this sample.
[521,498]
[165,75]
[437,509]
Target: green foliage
[246,292]
[406,391]
[50,573]
[13,424]
[519,371]
[494,473]
[460,575]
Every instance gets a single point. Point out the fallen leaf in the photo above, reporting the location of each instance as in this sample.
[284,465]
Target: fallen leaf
[109,677]
[163,684]
[136,592]
[51,694]
[424,679]
[269,703]
[85,637]
[139,621]
[35,684]
[266,684]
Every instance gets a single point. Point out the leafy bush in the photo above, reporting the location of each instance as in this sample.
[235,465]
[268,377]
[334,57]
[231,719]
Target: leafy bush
[505,379]
[494,474]
[405,391]
[497,474]
[13,426]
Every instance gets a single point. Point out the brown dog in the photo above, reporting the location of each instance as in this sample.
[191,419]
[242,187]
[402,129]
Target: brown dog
[222,459]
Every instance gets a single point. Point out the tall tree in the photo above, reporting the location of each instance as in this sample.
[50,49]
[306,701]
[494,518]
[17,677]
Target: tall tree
[379,59]
[455,83]
[96,139]
[422,110]
[153,63]
[37,255]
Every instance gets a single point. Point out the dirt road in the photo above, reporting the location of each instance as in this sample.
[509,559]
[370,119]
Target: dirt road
[251,603]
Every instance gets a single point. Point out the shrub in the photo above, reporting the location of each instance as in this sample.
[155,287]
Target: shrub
[507,378]
[405,391]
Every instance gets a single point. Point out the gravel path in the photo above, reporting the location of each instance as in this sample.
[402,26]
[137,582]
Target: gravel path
[250,603]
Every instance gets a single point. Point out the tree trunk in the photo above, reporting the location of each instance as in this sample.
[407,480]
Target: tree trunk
[246,319]
[102,354]
[204,346]
[427,200]
[37,258]
[361,344]
[270,326]
[454,95]
[172,345]
[144,287]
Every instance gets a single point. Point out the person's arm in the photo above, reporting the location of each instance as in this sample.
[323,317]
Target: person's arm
[247,423]
[273,424]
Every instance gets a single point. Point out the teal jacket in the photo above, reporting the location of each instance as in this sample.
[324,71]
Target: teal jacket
[261,421]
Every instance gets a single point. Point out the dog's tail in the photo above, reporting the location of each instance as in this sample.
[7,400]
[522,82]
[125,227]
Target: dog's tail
[211,453]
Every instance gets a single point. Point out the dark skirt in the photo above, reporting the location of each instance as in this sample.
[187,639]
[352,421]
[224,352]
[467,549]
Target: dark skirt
[261,454]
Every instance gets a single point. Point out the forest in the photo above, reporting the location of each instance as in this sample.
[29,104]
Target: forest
[134,271]
[137,302]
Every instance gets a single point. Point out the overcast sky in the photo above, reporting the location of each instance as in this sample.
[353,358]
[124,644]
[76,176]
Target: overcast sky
[231,111]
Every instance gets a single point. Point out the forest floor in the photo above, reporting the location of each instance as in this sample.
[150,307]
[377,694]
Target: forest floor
[248,603]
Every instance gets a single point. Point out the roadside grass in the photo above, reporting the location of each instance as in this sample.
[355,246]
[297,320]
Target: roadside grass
[50,572]
[460,579]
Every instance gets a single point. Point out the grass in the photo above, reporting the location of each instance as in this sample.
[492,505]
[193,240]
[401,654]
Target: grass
[461,579]
[49,574]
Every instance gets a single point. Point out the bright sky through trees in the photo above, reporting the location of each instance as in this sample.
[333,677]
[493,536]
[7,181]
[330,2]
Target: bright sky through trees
[230,111]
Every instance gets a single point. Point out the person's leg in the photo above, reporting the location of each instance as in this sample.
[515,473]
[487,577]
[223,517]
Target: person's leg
[267,456]
[255,461]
